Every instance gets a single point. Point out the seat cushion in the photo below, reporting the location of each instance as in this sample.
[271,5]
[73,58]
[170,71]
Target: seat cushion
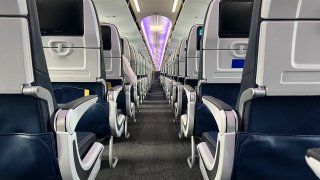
[85,141]
[211,139]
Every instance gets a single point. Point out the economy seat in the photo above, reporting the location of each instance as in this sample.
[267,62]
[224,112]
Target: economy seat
[112,52]
[223,51]
[39,138]
[133,63]
[175,74]
[268,133]
[140,77]
[178,86]
[130,88]
[187,92]
[73,48]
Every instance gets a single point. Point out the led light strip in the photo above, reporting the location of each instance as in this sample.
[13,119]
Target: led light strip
[136,3]
[174,7]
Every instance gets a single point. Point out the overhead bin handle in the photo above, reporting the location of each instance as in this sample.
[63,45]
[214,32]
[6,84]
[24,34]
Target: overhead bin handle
[60,48]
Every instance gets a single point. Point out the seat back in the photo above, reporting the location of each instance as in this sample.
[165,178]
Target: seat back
[133,60]
[23,61]
[224,44]
[175,63]
[71,40]
[283,66]
[112,51]
[126,48]
[27,102]
[73,48]
[281,73]
[182,60]
[144,64]
[139,63]
[172,64]
[193,52]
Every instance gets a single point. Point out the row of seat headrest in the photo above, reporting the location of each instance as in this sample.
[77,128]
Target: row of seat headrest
[287,9]
[13,8]
[271,9]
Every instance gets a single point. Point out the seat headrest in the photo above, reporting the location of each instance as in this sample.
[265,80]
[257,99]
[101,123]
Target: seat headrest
[226,21]
[290,9]
[13,8]
[182,50]
[182,58]
[15,50]
[288,59]
[71,40]
[112,38]
[125,48]
[225,39]
[61,17]
[194,40]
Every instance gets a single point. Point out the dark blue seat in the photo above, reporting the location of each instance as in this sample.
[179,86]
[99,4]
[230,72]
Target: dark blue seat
[204,121]
[275,120]
[36,135]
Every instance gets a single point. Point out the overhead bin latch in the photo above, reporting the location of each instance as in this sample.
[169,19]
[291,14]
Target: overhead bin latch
[60,48]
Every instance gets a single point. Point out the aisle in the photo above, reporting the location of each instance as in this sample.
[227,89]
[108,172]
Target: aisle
[153,150]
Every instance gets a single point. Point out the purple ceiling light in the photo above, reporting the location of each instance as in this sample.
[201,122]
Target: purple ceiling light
[156,31]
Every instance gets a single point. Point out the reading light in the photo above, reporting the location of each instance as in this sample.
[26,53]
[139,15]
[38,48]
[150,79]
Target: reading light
[136,3]
[174,7]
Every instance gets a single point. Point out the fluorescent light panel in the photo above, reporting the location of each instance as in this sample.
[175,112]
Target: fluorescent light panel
[136,3]
[174,7]
[156,40]
[156,28]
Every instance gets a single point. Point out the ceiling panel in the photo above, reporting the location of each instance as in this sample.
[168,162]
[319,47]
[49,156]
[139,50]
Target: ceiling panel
[156,8]
[117,12]
[193,12]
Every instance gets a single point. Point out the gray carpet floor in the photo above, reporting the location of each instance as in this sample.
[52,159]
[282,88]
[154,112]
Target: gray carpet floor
[154,150]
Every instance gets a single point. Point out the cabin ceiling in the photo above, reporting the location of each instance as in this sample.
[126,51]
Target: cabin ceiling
[193,12]
[117,12]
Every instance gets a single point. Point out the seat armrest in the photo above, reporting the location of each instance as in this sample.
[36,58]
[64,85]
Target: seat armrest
[218,103]
[76,103]
[114,92]
[188,88]
[67,118]
[104,84]
[314,153]
[313,159]
[224,115]
[116,88]
[191,93]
